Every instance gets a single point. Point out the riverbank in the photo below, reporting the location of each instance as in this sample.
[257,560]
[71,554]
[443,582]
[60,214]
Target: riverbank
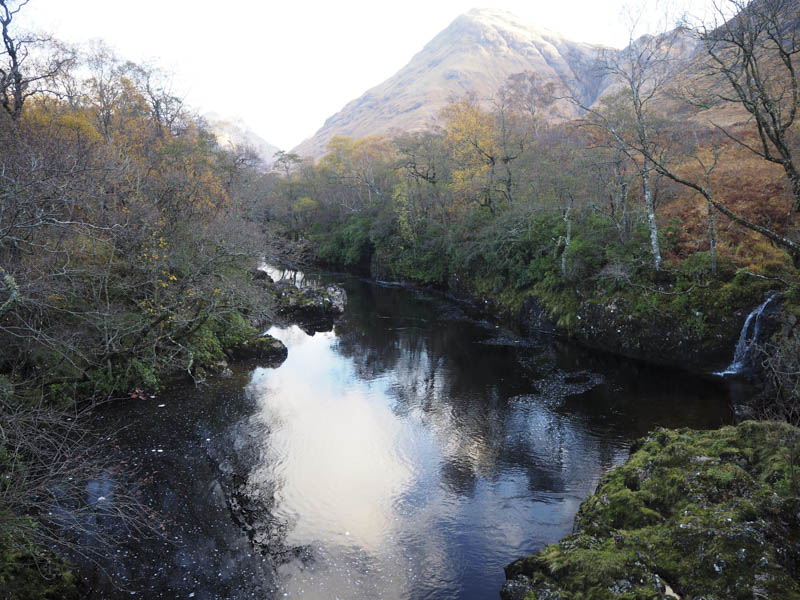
[671,323]
[690,514]
[442,443]
[220,348]
[683,315]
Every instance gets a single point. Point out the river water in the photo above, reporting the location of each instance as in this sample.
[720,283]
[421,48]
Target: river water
[410,453]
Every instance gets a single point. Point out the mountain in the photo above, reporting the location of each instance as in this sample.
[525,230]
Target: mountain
[477,53]
[235,134]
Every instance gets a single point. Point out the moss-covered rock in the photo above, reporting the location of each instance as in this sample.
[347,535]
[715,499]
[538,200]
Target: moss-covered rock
[313,308]
[264,348]
[690,515]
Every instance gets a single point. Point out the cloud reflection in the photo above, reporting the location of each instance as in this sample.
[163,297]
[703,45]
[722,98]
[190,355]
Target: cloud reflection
[335,448]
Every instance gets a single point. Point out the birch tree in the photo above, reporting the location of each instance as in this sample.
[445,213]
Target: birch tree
[629,117]
[752,49]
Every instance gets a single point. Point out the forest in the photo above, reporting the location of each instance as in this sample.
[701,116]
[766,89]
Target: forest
[126,238]
[675,196]
[128,234]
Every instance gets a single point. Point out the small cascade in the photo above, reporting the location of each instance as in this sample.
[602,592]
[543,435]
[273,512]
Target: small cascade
[747,339]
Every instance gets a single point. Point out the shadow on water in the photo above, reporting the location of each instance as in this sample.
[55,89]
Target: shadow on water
[410,453]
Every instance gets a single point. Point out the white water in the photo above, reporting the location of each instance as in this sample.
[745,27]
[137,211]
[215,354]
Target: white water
[747,341]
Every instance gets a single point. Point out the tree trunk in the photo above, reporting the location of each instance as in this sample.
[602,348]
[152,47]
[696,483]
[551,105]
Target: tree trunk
[649,204]
[13,291]
[568,239]
[712,238]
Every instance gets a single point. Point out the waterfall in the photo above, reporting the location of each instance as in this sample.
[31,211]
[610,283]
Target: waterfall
[747,340]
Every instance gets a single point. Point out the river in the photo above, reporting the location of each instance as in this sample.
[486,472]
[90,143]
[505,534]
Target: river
[410,453]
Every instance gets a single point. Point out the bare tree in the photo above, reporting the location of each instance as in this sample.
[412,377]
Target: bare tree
[753,46]
[21,76]
[641,71]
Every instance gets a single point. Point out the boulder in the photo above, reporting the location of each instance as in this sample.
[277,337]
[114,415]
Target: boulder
[712,514]
[264,349]
[312,308]
[260,275]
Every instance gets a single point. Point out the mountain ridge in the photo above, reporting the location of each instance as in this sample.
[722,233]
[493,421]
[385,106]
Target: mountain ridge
[235,134]
[476,53]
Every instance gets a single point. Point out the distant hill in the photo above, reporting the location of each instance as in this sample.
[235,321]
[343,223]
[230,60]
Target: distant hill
[235,133]
[477,52]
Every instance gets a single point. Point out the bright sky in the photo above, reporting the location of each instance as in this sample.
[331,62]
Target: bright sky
[284,67]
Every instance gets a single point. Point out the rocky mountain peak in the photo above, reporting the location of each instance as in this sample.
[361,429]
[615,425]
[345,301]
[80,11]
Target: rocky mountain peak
[476,53]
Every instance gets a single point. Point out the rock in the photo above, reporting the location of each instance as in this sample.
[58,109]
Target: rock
[533,317]
[265,349]
[715,517]
[516,589]
[313,308]
[338,298]
[221,368]
[260,275]
[613,328]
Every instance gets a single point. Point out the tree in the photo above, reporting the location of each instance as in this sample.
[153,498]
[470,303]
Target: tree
[476,150]
[613,178]
[22,75]
[753,62]
[287,163]
[424,162]
[360,170]
[630,118]
[531,97]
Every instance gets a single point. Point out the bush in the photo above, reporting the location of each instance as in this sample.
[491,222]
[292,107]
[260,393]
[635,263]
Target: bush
[349,245]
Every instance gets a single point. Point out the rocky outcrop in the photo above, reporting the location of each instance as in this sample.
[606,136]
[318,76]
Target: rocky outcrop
[689,515]
[265,349]
[313,308]
[696,345]
[533,317]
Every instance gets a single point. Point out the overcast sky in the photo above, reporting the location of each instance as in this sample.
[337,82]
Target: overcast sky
[284,67]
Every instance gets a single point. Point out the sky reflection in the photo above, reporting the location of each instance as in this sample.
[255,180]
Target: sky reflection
[415,452]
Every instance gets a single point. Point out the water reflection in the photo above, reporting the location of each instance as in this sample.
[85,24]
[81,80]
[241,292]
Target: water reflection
[299,279]
[415,452]
[329,440]
[410,453]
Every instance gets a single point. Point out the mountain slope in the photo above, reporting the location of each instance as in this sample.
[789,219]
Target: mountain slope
[235,134]
[477,53]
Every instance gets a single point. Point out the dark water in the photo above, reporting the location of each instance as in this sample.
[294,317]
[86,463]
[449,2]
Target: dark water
[410,453]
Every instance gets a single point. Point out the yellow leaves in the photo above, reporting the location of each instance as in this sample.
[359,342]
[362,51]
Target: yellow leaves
[347,156]
[305,205]
[470,131]
[56,300]
[472,137]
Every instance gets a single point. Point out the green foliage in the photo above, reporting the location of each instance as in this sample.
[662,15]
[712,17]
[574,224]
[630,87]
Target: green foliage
[349,245]
[423,258]
[30,573]
[217,337]
[560,300]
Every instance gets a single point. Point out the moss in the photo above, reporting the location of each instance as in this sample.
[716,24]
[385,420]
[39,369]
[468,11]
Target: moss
[264,348]
[34,574]
[791,301]
[713,514]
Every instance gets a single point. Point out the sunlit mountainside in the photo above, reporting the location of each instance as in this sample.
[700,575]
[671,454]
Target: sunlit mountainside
[235,135]
[476,53]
